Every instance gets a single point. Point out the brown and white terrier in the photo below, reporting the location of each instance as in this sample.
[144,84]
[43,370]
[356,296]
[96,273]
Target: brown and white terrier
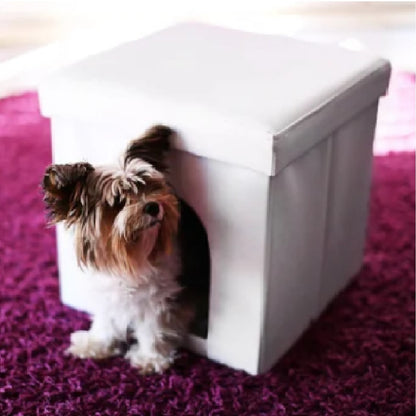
[125,221]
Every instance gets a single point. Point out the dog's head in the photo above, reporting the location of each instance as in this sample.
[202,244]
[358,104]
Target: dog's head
[124,217]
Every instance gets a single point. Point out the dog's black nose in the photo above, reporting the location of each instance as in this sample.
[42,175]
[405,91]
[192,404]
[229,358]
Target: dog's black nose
[151,208]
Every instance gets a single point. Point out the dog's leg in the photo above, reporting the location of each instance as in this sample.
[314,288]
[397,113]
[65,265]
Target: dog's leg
[155,350]
[100,341]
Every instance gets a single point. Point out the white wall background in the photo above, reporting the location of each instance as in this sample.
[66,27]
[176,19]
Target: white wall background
[39,36]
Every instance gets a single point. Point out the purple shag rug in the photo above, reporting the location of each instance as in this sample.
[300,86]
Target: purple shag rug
[356,360]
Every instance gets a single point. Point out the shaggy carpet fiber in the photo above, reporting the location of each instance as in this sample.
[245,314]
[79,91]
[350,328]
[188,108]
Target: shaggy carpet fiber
[356,360]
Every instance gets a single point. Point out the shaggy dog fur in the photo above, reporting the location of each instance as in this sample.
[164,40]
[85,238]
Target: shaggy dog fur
[125,222]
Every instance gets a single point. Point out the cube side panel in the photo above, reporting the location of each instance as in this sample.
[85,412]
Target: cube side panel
[348,198]
[297,228]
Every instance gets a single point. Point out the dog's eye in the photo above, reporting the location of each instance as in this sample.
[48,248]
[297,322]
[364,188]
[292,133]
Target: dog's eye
[119,203]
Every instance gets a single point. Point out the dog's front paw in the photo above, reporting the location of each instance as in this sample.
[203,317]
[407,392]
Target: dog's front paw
[84,345]
[149,363]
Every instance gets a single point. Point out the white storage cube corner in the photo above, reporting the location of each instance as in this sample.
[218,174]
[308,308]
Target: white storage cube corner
[273,154]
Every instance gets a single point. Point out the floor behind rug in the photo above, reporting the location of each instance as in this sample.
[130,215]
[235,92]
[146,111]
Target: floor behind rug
[357,359]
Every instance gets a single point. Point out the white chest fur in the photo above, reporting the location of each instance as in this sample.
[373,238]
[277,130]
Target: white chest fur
[127,303]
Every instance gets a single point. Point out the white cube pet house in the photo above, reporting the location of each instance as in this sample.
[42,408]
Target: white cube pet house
[273,154]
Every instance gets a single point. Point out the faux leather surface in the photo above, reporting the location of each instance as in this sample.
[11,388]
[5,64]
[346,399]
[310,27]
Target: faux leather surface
[227,92]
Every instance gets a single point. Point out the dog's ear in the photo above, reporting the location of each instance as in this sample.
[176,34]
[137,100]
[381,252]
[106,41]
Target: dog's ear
[151,147]
[64,191]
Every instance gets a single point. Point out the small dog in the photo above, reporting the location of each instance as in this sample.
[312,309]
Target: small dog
[125,221]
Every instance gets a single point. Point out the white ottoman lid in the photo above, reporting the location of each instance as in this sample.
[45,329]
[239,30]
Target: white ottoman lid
[258,101]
